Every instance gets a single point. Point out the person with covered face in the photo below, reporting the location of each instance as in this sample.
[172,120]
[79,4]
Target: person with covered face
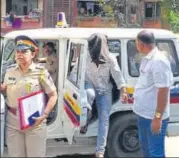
[21,79]
[101,66]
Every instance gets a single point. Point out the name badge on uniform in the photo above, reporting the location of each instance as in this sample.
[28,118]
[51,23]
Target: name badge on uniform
[12,78]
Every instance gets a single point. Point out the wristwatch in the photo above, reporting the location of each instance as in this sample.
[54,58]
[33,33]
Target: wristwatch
[158,115]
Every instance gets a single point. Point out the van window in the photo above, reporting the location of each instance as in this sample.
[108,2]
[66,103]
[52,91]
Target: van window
[9,49]
[134,58]
[75,64]
[115,48]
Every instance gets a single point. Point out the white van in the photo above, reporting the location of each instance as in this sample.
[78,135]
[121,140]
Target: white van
[177,36]
[71,44]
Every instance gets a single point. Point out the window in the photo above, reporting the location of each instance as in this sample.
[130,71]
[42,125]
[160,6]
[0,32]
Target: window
[134,58]
[133,9]
[9,49]
[75,64]
[114,46]
[115,49]
[169,48]
[152,9]
[21,7]
[88,8]
[121,9]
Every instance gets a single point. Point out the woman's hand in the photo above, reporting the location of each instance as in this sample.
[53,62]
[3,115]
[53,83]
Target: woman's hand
[39,120]
[124,97]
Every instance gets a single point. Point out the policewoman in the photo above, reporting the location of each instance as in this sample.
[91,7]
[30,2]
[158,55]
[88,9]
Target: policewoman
[21,79]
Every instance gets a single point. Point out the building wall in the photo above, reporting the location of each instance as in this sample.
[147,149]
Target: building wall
[61,6]
[47,13]
[51,9]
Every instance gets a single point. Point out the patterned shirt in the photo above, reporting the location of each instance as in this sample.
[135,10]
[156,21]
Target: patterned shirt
[100,76]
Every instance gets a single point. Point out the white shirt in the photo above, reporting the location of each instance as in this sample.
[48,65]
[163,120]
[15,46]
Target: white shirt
[155,73]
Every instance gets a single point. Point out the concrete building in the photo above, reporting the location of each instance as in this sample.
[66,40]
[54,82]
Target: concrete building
[85,13]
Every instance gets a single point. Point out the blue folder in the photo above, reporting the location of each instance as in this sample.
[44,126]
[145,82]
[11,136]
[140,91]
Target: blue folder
[31,120]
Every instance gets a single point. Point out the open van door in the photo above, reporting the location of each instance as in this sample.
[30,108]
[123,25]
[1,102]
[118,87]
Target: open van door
[75,99]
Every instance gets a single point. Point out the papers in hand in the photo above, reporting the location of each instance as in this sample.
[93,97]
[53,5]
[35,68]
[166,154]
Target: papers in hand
[30,106]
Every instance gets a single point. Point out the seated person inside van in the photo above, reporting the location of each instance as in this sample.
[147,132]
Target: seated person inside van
[51,62]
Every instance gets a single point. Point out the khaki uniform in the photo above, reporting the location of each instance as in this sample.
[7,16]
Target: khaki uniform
[51,66]
[32,142]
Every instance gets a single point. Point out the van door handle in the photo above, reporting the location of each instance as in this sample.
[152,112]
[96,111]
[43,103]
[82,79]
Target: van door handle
[75,96]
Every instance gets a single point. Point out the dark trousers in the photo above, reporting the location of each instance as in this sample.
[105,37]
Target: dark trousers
[152,145]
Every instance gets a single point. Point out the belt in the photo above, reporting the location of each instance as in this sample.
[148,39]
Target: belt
[12,110]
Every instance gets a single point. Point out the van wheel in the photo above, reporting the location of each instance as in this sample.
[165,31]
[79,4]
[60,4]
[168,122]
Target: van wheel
[123,137]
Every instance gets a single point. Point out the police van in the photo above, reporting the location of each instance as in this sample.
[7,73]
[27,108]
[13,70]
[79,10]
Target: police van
[69,116]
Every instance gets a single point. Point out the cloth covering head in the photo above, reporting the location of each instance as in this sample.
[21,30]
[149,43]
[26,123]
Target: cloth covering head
[25,42]
[98,48]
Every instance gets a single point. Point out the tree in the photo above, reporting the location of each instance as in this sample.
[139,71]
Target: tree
[171,13]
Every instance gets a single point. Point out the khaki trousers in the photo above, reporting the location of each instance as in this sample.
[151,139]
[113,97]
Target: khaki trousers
[29,143]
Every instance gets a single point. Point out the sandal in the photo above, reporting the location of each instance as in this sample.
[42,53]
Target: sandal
[84,129]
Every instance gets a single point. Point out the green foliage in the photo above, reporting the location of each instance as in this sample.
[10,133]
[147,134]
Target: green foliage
[171,13]
[173,18]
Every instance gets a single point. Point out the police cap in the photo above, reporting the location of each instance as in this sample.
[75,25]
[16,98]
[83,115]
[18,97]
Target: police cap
[25,42]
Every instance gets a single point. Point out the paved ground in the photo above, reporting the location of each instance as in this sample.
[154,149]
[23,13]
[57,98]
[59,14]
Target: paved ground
[172,149]
[172,146]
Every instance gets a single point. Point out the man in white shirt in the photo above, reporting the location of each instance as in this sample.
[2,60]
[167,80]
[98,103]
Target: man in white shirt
[152,96]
